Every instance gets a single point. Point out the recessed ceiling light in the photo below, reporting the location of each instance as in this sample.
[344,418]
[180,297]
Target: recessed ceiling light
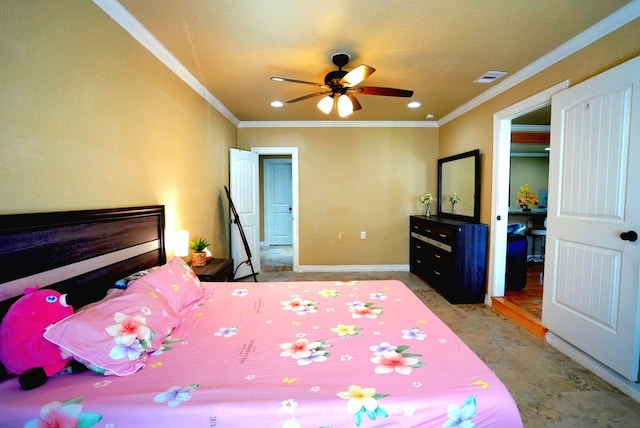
[430,116]
[277,103]
[414,104]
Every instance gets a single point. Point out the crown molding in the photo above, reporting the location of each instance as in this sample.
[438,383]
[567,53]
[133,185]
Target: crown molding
[121,16]
[337,124]
[607,25]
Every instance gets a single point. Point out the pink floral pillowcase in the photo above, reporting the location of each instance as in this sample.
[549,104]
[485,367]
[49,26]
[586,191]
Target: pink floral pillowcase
[177,283]
[116,335]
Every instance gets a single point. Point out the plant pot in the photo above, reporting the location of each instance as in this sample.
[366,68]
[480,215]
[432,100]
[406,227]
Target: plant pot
[198,259]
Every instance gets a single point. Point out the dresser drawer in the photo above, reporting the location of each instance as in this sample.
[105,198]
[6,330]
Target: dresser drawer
[418,243]
[440,233]
[419,256]
[440,266]
[441,260]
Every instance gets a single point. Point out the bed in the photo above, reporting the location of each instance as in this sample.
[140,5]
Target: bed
[241,354]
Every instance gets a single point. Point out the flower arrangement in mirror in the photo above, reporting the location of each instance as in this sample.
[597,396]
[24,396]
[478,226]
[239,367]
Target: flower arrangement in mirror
[427,199]
[454,199]
[527,198]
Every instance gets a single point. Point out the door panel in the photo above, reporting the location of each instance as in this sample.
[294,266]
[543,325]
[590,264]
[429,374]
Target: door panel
[591,292]
[278,202]
[243,186]
[592,276]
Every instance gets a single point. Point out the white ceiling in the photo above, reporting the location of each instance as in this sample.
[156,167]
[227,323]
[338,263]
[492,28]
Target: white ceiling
[436,48]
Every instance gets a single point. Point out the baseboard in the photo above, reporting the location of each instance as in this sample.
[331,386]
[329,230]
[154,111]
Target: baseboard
[353,268]
[630,388]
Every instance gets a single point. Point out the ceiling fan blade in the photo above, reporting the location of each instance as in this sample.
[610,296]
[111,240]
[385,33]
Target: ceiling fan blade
[284,79]
[357,75]
[306,97]
[389,92]
[354,101]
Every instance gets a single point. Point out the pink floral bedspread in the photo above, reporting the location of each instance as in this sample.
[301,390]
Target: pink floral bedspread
[295,354]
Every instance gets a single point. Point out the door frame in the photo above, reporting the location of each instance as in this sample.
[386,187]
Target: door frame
[293,152]
[500,184]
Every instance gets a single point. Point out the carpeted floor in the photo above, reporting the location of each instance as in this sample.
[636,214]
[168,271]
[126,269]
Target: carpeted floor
[551,390]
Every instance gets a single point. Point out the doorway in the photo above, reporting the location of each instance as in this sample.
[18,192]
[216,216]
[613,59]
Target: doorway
[276,249]
[528,201]
[281,257]
[501,189]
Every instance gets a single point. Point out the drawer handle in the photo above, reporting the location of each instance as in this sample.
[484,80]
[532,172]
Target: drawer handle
[442,235]
[438,256]
[419,247]
[415,227]
[419,262]
[436,272]
[428,230]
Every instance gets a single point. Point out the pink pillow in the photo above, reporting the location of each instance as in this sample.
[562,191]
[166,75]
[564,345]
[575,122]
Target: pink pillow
[115,336]
[177,283]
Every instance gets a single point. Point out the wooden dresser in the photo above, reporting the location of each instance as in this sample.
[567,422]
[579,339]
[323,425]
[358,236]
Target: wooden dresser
[451,255]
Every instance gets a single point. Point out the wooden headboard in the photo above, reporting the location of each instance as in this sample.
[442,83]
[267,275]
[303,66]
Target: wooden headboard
[83,252]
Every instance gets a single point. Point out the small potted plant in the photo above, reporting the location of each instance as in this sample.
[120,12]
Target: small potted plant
[198,257]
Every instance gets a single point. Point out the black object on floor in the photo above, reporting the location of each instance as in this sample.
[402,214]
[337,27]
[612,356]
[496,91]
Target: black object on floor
[516,270]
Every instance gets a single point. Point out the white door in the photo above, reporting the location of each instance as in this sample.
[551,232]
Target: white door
[592,274]
[243,187]
[277,201]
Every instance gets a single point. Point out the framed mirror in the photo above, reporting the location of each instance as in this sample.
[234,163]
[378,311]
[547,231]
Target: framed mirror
[459,182]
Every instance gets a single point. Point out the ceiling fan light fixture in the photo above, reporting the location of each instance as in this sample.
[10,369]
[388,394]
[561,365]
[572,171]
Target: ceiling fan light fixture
[345,106]
[277,103]
[339,86]
[326,104]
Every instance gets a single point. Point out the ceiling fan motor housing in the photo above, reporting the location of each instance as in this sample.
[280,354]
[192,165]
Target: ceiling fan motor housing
[340,59]
[332,79]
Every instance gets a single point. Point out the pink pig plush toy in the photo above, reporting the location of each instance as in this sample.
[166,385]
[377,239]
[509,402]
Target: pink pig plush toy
[23,349]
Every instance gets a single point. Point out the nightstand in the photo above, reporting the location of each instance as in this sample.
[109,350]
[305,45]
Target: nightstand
[216,270]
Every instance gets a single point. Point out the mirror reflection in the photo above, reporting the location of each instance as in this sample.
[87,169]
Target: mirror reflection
[459,186]
[457,179]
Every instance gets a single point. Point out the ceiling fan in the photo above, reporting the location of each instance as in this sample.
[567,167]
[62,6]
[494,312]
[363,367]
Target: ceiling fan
[340,86]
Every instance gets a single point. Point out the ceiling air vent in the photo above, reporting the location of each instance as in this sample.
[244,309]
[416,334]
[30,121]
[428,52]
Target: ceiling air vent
[490,76]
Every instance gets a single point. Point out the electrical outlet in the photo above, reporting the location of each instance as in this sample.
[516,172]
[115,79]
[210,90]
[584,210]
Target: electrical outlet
[363,235]
[339,235]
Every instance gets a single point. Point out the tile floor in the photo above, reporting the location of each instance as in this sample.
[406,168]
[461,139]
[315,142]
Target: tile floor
[551,390]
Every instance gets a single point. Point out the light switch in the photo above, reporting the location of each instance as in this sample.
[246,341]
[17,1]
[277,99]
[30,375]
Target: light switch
[363,235]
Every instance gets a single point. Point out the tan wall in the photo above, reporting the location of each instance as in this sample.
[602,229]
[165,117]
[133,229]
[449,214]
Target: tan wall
[474,130]
[352,180]
[90,119]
